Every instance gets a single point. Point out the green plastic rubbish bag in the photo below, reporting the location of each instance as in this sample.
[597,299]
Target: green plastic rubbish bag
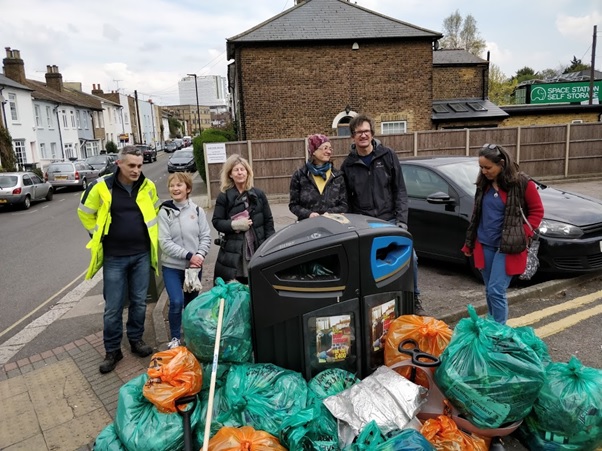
[139,424]
[372,439]
[568,410]
[199,322]
[407,440]
[262,396]
[107,440]
[527,334]
[489,373]
[331,382]
[315,427]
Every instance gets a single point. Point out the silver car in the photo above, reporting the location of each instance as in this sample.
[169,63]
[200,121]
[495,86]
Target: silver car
[23,188]
[71,173]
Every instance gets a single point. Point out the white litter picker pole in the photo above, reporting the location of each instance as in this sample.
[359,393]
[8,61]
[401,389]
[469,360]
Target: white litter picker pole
[218,335]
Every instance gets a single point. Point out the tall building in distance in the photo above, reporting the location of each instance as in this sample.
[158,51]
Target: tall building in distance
[213,90]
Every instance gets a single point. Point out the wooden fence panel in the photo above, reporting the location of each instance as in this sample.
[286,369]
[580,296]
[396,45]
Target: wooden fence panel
[585,155]
[542,151]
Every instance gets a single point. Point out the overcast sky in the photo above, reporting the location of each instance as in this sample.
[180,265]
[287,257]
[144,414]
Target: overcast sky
[149,45]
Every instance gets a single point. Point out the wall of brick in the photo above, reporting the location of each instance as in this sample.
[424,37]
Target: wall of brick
[548,119]
[458,82]
[292,91]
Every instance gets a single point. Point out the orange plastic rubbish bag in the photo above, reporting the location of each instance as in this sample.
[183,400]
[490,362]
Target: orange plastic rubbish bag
[172,374]
[443,433]
[243,439]
[431,335]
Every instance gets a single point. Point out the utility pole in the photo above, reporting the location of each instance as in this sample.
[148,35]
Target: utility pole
[198,110]
[138,117]
[592,71]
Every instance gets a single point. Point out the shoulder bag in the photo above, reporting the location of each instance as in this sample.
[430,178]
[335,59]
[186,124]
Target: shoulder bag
[532,250]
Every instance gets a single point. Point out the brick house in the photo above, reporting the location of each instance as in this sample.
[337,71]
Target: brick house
[316,65]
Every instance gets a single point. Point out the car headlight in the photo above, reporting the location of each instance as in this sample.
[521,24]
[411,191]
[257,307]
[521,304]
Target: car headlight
[555,229]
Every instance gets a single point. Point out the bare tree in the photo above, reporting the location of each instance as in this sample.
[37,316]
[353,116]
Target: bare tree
[462,34]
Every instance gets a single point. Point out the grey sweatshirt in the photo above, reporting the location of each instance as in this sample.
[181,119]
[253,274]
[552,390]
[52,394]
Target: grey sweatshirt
[183,232]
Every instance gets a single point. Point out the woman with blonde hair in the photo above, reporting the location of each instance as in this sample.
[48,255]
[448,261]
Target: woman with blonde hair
[244,218]
[184,238]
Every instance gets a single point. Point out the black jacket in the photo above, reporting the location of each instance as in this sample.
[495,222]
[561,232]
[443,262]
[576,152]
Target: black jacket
[305,197]
[228,204]
[377,190]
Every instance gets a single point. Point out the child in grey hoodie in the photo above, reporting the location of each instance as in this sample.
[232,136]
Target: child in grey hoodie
[184,238]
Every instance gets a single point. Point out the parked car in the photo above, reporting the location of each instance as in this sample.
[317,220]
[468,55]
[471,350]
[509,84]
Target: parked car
[182,161]
[179,143]
[186,141]
[441,198]
[170,146]
[148,153]
[23,188]
[70,173]
[104,164]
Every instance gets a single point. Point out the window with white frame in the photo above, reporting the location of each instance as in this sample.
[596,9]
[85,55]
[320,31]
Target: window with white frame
[92,147]
[49,117]
[393,127]
[69,151]
[44,151]
[126,118]
[38,115]
[64,116]
[86,120]
[53,153]
[78,119]
[72,114]
[20,151]
[12,102]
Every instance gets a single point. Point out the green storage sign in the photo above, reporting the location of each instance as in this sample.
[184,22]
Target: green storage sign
[563,92]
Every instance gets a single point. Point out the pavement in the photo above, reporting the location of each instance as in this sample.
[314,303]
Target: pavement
[51,392]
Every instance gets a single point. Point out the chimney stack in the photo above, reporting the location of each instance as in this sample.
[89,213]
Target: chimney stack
[96,90]
[54,79]
[14,67]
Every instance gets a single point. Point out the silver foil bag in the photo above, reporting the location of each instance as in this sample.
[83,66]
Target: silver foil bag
[385,397]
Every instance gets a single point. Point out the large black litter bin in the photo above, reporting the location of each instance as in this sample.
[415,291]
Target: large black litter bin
[324,291]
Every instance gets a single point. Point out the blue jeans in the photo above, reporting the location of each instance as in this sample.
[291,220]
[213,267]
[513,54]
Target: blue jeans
[178,300]
[496,283]
[129,274]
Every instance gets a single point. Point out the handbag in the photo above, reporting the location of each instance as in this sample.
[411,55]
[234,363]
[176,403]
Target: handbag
[532,250]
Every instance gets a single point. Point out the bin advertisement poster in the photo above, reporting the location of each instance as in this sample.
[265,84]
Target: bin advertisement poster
[333,338]
[381,316]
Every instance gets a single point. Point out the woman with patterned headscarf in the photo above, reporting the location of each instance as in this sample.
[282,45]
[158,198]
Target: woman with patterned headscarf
[317,187]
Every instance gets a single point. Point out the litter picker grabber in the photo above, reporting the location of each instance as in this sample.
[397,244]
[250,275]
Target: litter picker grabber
[218,335]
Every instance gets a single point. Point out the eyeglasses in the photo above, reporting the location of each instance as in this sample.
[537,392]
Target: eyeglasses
[362,132]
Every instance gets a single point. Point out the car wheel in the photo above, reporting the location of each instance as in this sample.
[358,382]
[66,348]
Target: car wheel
[84,184]
[27,203]
[50,194]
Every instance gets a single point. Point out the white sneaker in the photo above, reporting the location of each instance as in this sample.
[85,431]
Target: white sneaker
[174,343]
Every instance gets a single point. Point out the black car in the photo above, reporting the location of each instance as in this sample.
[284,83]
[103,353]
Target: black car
[105,163]
[148,153]
[170,146]
[441,198]
[182,161]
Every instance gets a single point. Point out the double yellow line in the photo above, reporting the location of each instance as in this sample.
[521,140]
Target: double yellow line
[566,322]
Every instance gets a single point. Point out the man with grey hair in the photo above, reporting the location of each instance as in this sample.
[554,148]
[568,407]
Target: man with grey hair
[119,211]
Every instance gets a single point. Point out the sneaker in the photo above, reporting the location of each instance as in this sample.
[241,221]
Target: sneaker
[174,343]
[418,309]
[140,348]
[110,361]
